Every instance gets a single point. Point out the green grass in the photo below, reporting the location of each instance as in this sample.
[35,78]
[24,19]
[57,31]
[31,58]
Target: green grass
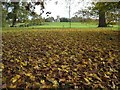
[62,25]
[67,25]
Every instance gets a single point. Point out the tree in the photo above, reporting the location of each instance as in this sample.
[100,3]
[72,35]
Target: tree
[84,14]
[14,13]
[11,9]
[4,14]
[64,19]
[102,19]
[103,8]
[19,10]
[50,19]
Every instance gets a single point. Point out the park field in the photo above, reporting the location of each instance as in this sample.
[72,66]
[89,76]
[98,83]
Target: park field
[61,58]
[66,25]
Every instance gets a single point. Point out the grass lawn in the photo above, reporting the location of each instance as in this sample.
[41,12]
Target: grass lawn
[61,58]
[67,25]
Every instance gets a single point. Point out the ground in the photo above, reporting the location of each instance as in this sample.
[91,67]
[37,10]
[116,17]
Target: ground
[67,25]
[61,58]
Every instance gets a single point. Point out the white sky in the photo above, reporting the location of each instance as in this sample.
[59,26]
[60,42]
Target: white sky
[61,9]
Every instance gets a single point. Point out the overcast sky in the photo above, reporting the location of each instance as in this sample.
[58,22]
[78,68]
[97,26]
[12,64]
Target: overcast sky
[60,7]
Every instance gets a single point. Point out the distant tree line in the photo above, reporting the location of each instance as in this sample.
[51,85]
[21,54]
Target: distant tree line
[72,19]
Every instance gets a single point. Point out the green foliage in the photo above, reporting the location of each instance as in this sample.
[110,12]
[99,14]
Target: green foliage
[111,10]
[19,11]
[106,6]
[4,13]
[36,20]
[69,58]
[50,19]
[64,19]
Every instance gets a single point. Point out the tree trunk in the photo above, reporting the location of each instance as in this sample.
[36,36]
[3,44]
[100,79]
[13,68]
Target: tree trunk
[16,7]
[102,19]
[14,20]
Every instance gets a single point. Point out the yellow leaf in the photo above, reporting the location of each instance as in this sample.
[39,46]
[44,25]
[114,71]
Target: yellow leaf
[36,67]
[24,63]
[59,69]
[32,77]
[12,86]
[88,82]
[42,81]
[48,64]
[11,60]
[66,70]
[69,77]
[17,60]
[101,59]
[108,73]
[86,73]
[2,66]
[55,83]
[15,78]
[63,66]
[57,56]
[75,69]
[28,74]
[106,76]
[62,80]
[83,66]
[113,85]
[95,76]
[85,63]
[90,78]
[37,84]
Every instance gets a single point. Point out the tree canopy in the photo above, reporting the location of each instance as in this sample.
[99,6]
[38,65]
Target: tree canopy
[19,11]
[107,10]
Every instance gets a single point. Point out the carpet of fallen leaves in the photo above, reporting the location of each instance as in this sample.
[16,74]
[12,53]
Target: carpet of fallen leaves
[61,59]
